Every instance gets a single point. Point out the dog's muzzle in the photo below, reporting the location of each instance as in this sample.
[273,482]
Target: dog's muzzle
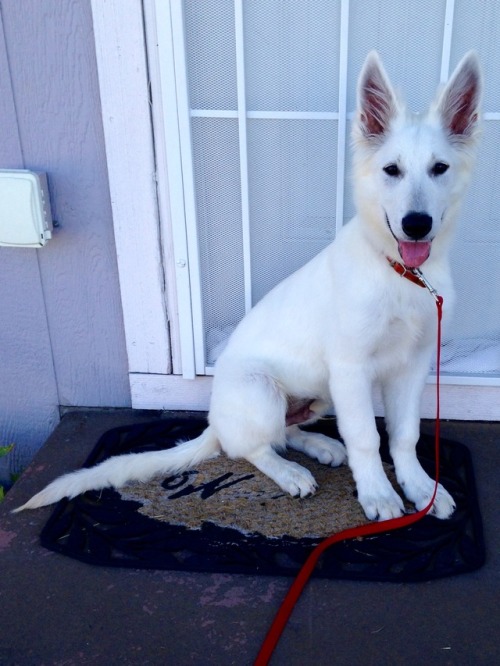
[416,225]
[415,250]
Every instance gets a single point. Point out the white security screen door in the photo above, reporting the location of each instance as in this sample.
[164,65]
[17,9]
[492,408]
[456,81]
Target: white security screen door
[256,98]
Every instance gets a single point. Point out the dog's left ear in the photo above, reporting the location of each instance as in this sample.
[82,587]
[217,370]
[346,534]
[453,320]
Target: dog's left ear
[458,103]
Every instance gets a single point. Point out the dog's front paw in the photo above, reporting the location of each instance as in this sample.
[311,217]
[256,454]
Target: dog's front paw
[444,504]
[383,506]
[375,493]
[420,494]
[418,487]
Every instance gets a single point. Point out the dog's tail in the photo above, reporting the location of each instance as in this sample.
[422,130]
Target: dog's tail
[119,470]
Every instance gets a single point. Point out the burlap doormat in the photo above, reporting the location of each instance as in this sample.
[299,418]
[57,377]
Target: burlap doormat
[226,516]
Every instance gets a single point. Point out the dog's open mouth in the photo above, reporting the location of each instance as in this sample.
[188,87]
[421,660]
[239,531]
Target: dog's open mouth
[414,253]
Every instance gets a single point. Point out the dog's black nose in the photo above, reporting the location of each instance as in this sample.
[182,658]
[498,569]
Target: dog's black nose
[417,225]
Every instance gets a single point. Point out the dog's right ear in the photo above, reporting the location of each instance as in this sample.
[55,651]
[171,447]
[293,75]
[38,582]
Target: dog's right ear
[377,101]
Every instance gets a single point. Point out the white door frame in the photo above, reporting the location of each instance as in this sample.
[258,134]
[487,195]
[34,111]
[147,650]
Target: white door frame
[123,83]
[141,212]
[143,207]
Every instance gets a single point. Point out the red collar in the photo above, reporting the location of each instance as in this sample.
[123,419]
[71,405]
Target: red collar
[408,273]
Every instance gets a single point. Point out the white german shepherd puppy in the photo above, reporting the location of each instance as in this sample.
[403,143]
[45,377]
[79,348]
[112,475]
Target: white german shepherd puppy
[344,321]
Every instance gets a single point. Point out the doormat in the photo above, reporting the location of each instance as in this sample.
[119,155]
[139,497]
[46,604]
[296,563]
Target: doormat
[227,517]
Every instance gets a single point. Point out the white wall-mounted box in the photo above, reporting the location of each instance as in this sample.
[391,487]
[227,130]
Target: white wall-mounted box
[25,215]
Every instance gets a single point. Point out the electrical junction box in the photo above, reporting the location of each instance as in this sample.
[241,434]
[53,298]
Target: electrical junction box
[25,216]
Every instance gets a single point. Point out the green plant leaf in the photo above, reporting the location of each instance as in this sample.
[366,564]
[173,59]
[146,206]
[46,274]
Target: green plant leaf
[4,450]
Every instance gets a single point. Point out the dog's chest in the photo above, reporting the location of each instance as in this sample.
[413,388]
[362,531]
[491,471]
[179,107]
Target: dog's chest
[394,339]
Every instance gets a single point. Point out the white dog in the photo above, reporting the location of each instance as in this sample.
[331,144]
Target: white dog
[344,321]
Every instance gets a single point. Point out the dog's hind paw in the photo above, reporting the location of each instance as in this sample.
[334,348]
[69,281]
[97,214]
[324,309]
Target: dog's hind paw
[324,449]
[294,479]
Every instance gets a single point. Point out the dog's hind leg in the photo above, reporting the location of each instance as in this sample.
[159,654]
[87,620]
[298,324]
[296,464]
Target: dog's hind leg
[248,413]
[324,449]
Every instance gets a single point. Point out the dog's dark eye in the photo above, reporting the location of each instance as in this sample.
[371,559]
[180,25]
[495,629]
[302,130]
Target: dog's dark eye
[392,170]
[439,168]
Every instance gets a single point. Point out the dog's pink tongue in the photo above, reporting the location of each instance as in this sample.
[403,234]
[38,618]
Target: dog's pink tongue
[414,253]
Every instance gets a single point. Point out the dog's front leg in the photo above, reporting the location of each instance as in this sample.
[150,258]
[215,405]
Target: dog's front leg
[402,394]
[351,392]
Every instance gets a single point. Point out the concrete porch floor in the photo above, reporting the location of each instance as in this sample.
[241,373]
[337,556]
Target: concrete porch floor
[57,611]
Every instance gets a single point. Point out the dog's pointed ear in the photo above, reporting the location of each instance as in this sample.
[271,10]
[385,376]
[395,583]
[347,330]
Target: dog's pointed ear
[458,103]
[377,101]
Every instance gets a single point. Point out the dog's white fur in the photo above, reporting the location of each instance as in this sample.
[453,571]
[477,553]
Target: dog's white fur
[343,322]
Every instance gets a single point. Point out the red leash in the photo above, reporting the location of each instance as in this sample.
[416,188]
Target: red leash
[288,604]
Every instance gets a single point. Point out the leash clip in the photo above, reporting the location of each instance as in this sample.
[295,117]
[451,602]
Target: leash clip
[425,283]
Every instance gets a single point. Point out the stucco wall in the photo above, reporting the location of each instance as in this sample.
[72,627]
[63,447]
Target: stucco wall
[61,328]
